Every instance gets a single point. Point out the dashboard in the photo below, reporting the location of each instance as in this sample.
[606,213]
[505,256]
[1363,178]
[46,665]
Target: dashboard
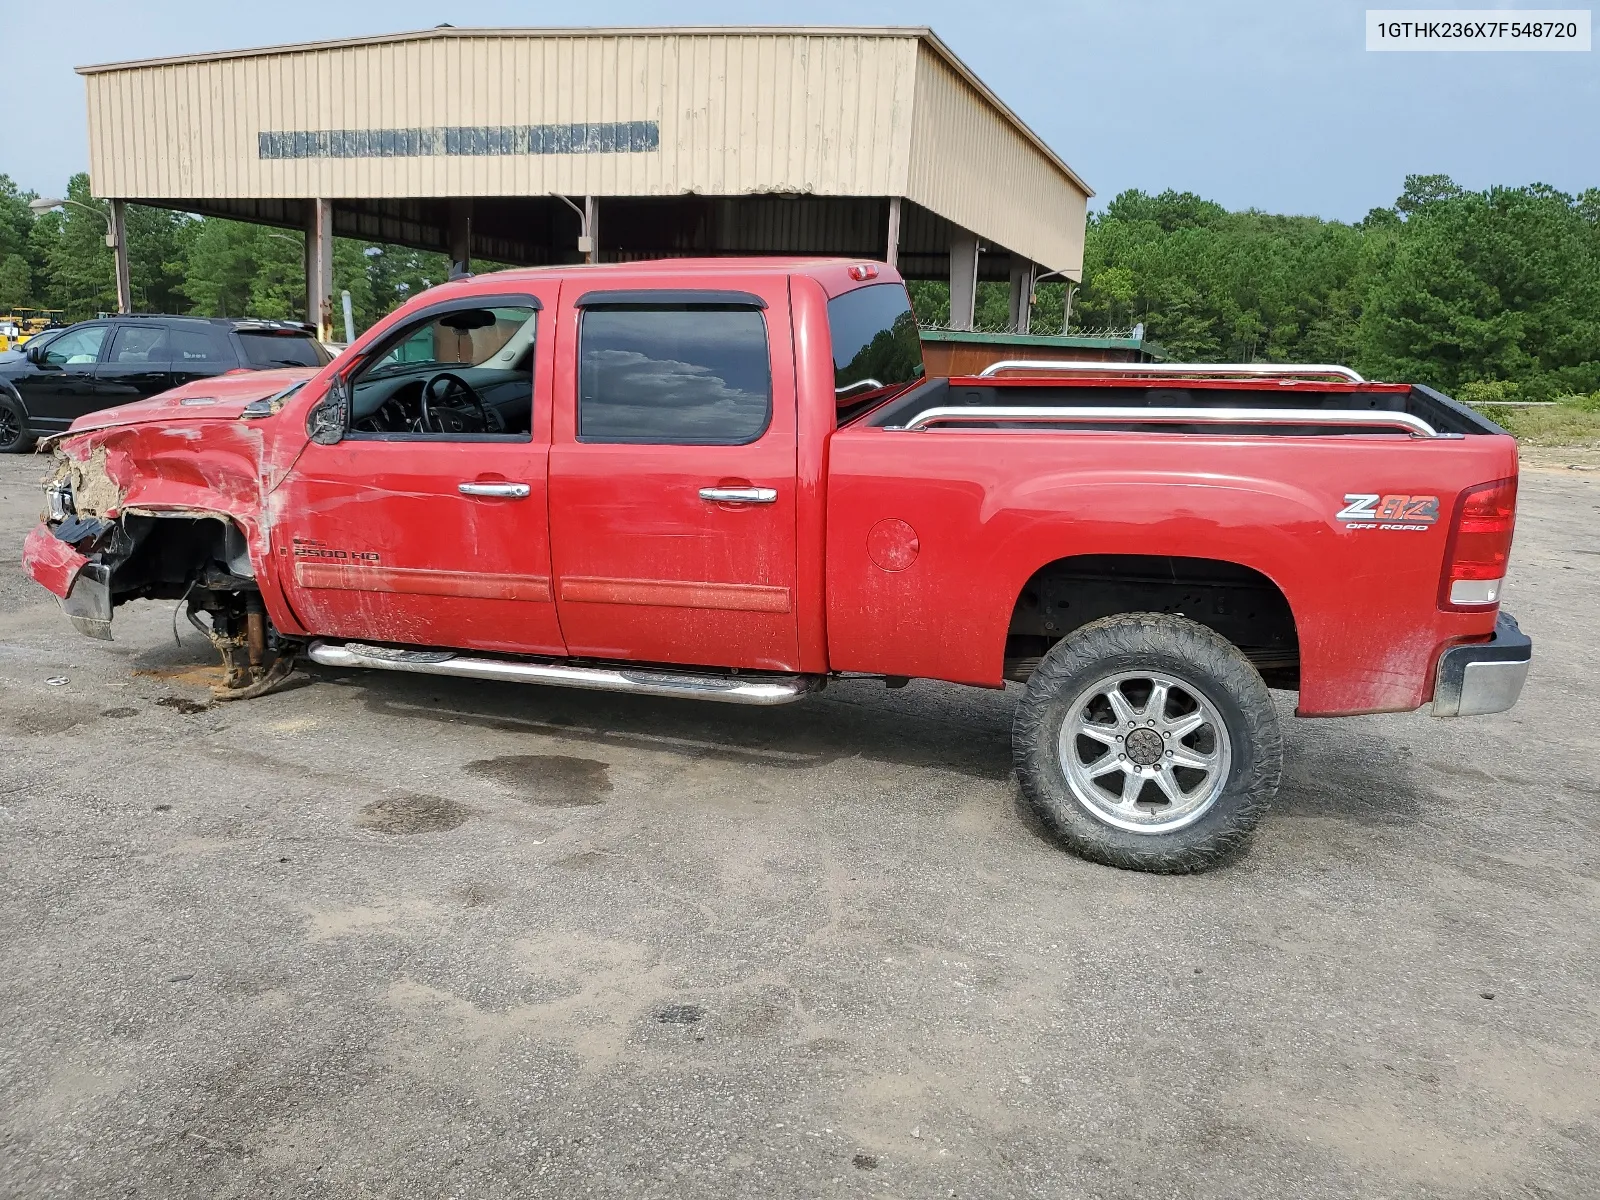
[435,397]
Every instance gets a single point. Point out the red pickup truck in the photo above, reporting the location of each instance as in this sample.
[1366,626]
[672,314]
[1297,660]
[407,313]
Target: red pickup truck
[730,479]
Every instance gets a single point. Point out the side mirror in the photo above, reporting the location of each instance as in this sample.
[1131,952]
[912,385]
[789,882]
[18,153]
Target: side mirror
[330,416]
[35,353]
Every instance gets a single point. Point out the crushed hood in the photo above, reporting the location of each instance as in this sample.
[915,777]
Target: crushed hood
[220,398]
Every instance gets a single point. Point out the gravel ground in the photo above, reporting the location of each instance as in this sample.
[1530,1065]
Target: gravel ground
[383,935]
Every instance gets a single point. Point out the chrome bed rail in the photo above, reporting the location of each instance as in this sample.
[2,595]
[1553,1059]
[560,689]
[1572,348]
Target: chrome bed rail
[1220,370]
[1132,415]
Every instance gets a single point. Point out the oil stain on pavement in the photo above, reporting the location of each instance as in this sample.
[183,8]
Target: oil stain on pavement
[548,780]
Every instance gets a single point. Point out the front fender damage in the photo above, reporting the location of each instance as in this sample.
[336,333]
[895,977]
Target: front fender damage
[165,512]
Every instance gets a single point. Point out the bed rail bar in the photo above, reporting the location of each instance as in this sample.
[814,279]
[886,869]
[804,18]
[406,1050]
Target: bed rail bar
[1224,370]
[1132,415]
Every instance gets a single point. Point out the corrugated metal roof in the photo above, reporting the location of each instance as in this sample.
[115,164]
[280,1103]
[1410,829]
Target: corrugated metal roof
[510,116]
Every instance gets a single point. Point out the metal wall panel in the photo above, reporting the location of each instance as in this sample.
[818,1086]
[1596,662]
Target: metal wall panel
[974,166]
[717,114]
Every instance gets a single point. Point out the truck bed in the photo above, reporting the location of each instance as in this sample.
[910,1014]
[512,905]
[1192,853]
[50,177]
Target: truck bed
[1438,412]
[985,508]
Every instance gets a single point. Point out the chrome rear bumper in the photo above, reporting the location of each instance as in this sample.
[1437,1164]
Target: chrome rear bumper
[1484,677]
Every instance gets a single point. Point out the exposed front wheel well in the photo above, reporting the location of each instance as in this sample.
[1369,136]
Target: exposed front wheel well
[1239,603]
[203,561]
[165,557]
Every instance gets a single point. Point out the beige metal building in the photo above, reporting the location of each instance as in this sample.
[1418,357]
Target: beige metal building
[556,145]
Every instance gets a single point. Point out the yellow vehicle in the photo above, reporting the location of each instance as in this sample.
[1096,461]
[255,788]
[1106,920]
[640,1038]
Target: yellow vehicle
[20,324]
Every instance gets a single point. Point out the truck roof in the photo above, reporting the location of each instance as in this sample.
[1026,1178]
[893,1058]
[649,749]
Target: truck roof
[832,273]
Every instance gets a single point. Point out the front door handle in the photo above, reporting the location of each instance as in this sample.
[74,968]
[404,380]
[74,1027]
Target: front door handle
[511,491]
[739,495]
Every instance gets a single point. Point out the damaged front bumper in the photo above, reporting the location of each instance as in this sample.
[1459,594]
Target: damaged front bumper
[1483,677]
[82,584]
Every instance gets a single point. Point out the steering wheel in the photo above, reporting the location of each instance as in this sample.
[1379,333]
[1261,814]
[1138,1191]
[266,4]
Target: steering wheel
[454,385]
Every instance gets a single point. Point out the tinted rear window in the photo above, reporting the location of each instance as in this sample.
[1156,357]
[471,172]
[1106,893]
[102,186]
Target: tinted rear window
[875,342]
[191,344]
[280,350]
[673,375]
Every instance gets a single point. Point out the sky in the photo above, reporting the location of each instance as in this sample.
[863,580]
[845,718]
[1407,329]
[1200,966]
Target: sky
[1268,104]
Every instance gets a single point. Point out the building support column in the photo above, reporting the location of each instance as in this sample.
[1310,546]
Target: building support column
[891,254]
[1021,293]
[319,267]
[963,278]
[460,236]
[119,251]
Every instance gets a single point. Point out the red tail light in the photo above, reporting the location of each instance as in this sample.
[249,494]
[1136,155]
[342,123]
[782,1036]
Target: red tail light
[1479,547]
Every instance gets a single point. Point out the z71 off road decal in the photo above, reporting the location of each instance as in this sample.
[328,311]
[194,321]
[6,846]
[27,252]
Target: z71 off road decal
[1401,514]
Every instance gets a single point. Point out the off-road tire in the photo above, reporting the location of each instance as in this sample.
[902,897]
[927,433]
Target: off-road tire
[1187,651]
[15,436]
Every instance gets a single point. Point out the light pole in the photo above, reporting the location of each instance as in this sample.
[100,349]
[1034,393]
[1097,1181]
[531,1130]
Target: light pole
[1066,296]
[116,238]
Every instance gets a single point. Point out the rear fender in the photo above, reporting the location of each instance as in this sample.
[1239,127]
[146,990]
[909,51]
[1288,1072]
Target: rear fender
[1202,516]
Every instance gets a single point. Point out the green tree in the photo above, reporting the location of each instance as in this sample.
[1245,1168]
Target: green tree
[16,282]
[16,228]
[219,268]
[79,263]
[1495,285]
[278,282]
[156,258]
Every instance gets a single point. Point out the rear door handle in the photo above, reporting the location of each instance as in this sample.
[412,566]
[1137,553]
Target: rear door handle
[511,491]
[739,495]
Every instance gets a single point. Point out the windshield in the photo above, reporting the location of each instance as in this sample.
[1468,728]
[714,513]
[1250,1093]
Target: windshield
[478,337]
[876,347]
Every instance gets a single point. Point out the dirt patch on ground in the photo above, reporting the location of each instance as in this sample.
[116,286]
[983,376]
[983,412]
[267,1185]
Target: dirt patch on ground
[548,780]
[45,721]
[412,814]
[1560,458]
[200,677]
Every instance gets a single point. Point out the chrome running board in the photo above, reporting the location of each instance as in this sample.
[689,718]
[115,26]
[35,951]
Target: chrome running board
[641,681]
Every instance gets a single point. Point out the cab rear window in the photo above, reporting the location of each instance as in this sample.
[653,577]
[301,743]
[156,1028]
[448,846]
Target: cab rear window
[876,348]
[281,350]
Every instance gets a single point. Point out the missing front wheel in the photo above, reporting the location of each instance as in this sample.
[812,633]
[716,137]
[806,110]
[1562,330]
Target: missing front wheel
[256,659]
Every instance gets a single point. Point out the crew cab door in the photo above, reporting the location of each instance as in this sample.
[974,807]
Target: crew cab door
[431,530]
[60,386]
[138,364]
[672,474]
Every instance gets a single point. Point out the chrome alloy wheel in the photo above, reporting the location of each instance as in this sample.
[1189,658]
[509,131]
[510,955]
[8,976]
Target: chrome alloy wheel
[1144,751]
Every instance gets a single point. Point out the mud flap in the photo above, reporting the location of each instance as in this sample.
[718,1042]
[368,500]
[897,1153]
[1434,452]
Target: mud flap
[88,604]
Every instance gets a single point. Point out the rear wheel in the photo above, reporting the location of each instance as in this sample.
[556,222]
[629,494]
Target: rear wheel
[15,437]
[1149,742]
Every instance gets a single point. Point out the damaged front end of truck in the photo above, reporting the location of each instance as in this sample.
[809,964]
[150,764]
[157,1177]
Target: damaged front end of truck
[163,512]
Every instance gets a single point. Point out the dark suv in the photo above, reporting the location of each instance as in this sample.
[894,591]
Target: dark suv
[64,373]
